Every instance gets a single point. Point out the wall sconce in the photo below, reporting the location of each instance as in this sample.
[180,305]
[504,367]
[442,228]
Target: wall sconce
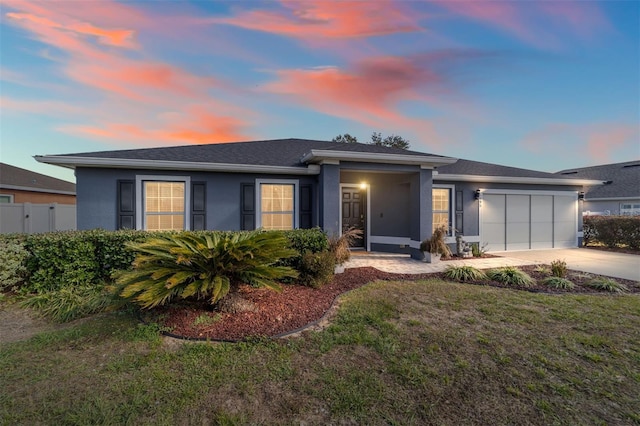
[363,185]
[581,195]
[476,194]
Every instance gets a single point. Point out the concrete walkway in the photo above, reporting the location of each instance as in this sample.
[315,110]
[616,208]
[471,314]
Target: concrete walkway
[618,265]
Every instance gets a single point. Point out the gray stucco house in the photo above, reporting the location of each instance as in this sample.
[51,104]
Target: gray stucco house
[395,196]
[620,194]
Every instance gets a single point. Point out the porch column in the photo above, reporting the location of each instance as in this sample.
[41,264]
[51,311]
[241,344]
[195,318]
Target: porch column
[421,214]
[329,195]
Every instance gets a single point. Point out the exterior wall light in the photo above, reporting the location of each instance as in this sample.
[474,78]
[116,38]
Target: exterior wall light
[476,194]
[363,185]
[581,195]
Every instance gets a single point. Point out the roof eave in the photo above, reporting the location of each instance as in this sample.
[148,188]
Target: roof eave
[31,189]
[516,179]
[323,155]
[124,163]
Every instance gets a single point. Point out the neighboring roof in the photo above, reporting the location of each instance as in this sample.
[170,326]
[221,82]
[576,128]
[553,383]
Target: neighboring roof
[12,177]
[476,171]
[622,180]
[277,156]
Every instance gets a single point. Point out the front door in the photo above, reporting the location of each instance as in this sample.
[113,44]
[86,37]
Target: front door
[353,212]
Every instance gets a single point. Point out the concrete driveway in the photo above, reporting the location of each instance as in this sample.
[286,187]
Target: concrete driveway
[607,263]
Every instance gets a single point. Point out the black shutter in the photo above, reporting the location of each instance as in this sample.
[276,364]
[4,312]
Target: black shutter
[198,206]
[126,205]
[247,207]
[306,206]
[459,212]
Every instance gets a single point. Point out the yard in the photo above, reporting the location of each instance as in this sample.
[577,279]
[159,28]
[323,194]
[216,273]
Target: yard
[398,352]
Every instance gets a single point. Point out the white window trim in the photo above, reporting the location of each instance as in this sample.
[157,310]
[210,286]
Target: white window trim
[296,198]
[367,207]
[8,195]
[140,202]
[452,199]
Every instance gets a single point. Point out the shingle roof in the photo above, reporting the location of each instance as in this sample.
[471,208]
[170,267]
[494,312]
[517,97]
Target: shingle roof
[279,152]
[477,168]
[16,177]
[624,178]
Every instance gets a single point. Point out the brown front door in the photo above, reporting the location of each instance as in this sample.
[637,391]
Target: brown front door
[353,212]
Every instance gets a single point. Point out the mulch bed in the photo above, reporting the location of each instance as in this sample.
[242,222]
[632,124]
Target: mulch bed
[296,306]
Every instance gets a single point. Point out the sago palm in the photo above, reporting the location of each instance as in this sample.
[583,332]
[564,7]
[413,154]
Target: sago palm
[203,266]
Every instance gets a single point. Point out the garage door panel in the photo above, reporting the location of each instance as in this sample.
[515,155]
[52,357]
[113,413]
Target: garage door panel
[493,236]
[564,212]
[518,221]
[541,221]
[493,222]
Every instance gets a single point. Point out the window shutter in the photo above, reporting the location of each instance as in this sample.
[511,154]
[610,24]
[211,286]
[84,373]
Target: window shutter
[306,206]
[247,207]
[459,212]
[198,206]
[126,205]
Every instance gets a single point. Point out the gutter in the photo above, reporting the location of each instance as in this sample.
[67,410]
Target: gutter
[515,179]
[123,163]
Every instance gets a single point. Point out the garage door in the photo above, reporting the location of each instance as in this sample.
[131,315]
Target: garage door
[528,221]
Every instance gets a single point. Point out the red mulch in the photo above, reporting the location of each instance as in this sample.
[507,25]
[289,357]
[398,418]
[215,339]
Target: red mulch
[297,306]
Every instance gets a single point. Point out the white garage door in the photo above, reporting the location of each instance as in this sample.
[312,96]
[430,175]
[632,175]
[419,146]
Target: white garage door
[523,221]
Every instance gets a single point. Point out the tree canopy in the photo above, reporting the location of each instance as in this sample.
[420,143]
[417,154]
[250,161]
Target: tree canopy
[393,141]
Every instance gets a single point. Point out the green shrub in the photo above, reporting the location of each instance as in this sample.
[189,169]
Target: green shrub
[542,269]
[478,251]
[203,265]
[13,268]
[60,259]
[302,241]
[559,268]
[612,231]
[558,282]
[316,269]
[512,276]
[69,303]
[464,273]
[606,284]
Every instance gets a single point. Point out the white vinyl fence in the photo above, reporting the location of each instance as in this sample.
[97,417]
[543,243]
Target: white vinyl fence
[31,218]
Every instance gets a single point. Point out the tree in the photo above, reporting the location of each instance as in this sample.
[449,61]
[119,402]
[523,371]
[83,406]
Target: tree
[346,138]
[393,141]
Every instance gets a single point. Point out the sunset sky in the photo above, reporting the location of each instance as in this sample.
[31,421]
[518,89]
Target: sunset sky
[545,85]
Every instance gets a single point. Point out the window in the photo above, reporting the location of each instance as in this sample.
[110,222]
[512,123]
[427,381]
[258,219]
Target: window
[277,204]
[163,203]
[4,198]
[441,208]
[630,209]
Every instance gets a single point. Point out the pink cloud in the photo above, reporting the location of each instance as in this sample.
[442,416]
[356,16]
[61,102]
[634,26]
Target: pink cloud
[540,24]
[371,91]
[92,42]
[596,143]
[329,19]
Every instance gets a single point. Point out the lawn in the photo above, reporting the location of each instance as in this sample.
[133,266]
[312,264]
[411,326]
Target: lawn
[425,352]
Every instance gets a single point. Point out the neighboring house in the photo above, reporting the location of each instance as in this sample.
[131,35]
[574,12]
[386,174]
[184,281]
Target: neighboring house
[620,194]
[395,196]
[24,186]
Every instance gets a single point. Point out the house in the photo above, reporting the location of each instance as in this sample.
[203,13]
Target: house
[395,196]
[620,194]
[24,186]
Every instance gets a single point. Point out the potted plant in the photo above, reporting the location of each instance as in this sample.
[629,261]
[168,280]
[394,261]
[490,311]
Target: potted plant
[435,247]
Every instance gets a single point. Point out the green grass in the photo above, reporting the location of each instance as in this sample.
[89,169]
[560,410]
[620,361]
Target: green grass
[558,282]
[428,352]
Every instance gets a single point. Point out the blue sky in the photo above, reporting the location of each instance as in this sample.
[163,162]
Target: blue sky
[545,85]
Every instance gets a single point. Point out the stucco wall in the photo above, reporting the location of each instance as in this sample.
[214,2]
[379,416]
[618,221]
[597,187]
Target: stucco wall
[97,195]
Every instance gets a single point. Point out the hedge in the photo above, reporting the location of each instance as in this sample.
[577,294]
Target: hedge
[59,259]
[612,231]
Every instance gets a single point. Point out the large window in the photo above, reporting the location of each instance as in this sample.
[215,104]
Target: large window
[277,204]
[441,207]
[163,202]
